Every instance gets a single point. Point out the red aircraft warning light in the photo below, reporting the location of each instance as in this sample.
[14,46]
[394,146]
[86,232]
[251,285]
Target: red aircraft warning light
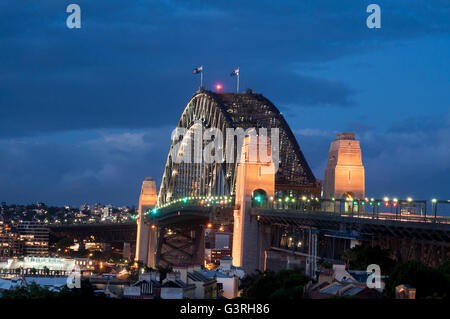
[219,87]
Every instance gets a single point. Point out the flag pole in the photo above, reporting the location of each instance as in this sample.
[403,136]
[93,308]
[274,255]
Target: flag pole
[201,78]
[237,88]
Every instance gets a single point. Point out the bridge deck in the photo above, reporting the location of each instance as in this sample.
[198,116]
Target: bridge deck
[433,229]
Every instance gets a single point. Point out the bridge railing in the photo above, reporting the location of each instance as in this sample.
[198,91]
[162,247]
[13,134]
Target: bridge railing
[382,209]
[194,201]
[376,216]
[399,210]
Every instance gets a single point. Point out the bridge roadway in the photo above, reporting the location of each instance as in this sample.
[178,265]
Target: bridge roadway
[411,226]
[422,236]
[407,236]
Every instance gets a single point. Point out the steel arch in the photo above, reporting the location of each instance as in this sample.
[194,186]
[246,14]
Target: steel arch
[233,110]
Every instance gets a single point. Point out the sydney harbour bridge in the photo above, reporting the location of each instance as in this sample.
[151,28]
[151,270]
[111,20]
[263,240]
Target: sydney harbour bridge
[279,220]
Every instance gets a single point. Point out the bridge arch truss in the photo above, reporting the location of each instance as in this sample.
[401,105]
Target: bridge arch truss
[232,110]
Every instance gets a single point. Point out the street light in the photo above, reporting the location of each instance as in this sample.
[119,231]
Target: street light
[434,206]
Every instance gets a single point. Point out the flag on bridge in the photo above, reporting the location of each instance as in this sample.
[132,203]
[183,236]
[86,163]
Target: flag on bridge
[198,70]
[235,72]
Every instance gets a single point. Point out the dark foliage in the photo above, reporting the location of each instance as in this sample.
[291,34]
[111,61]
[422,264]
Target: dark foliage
[429,282]
[361,256]
[34,291]
[286,284]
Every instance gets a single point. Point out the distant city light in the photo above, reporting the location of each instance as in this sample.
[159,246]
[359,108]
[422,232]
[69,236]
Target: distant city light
[219,87]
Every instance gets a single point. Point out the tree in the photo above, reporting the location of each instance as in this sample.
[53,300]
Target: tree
[34,291]
[429,282]
[163,271]
[86,291]
[361,256]
[286,284]
[64,243]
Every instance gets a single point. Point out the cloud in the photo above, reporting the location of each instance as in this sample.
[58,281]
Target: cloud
[132,61]
[107,167]
[414,161]
[127,72]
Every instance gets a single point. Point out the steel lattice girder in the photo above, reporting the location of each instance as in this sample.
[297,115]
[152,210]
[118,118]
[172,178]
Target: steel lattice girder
[233,110]
[180,245]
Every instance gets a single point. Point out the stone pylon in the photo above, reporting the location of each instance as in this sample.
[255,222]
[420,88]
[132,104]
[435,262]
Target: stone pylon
[344,174]
[147,201]
[249,240]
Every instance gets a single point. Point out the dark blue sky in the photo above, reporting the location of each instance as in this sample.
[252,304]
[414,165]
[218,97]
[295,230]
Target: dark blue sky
[86,115]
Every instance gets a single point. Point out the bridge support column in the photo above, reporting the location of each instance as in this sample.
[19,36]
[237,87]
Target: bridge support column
[153,247]
[311,262]
[126,252]
[147,200]
[177,245]
[250,238]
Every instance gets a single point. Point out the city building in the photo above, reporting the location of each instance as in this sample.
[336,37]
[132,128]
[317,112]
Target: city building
[41,265]
[85,208]
[10,243]
[227,285]
[107,212]
[226,267]
[405,292]
[35,236]
[218,244]
[173,288]
[340,282]
[205,288]
[147,287]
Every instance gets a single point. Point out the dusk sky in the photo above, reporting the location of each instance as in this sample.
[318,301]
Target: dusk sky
[86,114]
